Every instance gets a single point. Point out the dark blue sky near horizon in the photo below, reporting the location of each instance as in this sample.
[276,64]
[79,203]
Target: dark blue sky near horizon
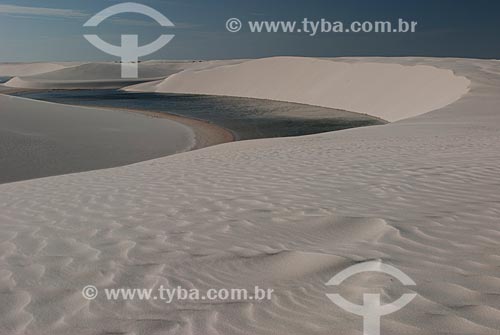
[52,30]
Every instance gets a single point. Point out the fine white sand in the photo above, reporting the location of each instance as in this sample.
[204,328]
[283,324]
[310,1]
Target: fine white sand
[95,75]
[388,91]
[40,139]
[421,194]
[31,69]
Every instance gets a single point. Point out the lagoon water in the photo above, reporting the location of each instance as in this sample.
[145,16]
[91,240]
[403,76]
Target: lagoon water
[39,140]
[246,118]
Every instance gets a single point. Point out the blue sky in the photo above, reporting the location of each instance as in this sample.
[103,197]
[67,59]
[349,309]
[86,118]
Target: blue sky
[52,30]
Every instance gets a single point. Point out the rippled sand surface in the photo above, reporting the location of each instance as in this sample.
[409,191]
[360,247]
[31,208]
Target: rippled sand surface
[421,194]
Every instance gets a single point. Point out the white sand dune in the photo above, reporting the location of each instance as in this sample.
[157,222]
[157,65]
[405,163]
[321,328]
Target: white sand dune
[31,69]
[421,194]
[388,91]
[40,139]
[97,75]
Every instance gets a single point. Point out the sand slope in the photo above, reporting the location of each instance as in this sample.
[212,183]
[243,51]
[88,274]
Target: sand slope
[30,69]
[389,91]
[42,139]
[420,194]
[97,75]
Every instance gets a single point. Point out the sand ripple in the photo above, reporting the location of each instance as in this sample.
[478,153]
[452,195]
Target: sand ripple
[286,214]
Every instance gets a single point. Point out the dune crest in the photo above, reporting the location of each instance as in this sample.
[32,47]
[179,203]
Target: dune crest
[92,75]
[30,69]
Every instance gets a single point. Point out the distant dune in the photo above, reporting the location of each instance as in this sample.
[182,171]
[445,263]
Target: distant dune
[93,75]
[30,69]
[388,91]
